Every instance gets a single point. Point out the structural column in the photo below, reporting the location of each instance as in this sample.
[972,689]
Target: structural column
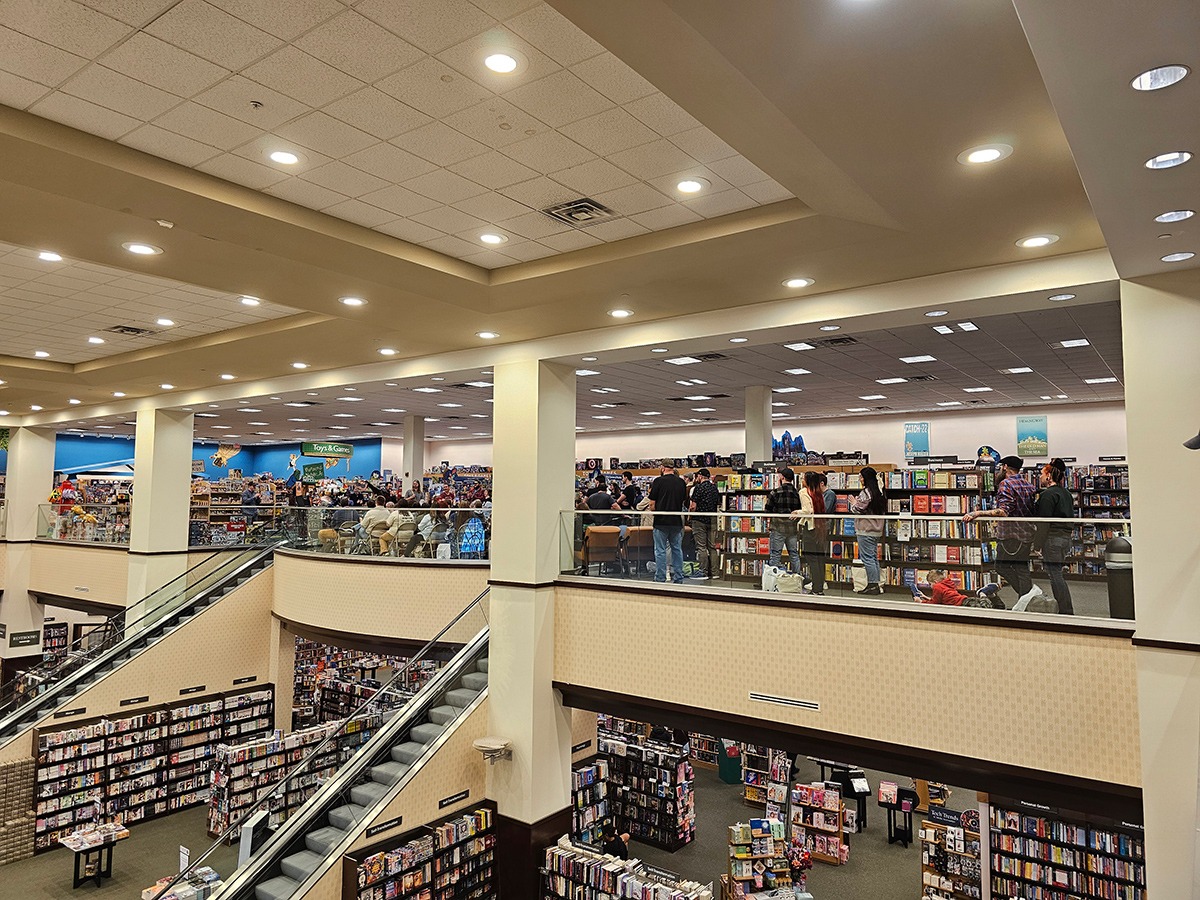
[1160,318]
[162,475]
[758,423]
[414,450]
[29,481]
[533,468]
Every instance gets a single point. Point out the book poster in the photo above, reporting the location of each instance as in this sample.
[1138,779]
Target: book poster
[1032,436]
[916,439]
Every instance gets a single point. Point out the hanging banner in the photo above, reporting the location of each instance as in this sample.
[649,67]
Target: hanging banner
[327,449]
[916,439]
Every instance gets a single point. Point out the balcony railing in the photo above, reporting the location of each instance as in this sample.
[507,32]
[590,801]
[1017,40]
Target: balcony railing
[431,534]
[90,523]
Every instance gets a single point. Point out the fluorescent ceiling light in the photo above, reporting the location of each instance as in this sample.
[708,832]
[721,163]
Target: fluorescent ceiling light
[260,424]
[705,409]
[49,256]
[950,403]
[978,390]
[968,326]
[1019,370]
[797,283]
[1037,240]
[800,346]
[780,403]
[427,390]
[698,397]
[1059,298]
[661,350]
[687,382]
[682,361]
[393,410]
[601,417]
[451,405]
[797,372]
[831,327]
[338,416]
[142,249]
[584,373]
[1168,160]
[341,427]
[785,390]
[873,397]
[773,415]
[1159,77]
[299,420]
[1099,380]
[1078,342]
[249,409]
[858,409]
[1062,396]
[351,399]
[604,406]
[478,415]
[478,384]
[918,359]
[651,414]
[1175,215]
[890,380]
[943,329]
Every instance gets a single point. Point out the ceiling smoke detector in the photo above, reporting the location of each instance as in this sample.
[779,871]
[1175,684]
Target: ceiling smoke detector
[580,213]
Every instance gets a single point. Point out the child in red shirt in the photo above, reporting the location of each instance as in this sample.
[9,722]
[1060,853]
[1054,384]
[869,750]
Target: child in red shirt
[946,593]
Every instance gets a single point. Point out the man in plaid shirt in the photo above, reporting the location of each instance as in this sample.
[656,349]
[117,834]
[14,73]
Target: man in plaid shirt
[783,500]
[704,499]
[1014,499]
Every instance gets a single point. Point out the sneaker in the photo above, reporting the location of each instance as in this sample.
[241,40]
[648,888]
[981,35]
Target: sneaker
[1023,601]
[807,584]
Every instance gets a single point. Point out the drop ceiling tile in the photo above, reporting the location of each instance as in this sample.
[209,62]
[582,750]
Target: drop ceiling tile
[201,28]
[444,186]
[19,92]
[609,132]
[666,217]
[119,92]
[407,230]
[650,160]
[768,191]
[207,126]
[433,87]
[526,251]
[158,63]
[489,259]
[545,27]
[613,78]
[84,115]
[594,177]
[662,114]
[533,225]
[468,58]
[131,12]
[440,144]
[570,240]
[305,193]
[401,201]
[235,97]
[377,113]
[548,152]
[495,123]
[242,171]
[302,77]
[504,9]
[451,246]
[36,60]
[493,170]
[538,193]
[327,135]
[390,163]
[64,24]
[702,145]
[491,207]
[284,20]
[451,221]
[720,204]
[337,176]
[359,47]
[636,198]
[168,145]
[617,229]
[360,213]
[431,26]
[260,149]
[739,171]
[558,99]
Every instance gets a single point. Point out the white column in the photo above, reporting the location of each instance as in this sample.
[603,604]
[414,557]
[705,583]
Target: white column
[162,475]
[758,423]
[414,450]
[1160,319]
[29,481]
[533,480]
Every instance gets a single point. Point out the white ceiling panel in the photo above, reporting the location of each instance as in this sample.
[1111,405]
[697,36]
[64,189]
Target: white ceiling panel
[242,171]
[493,170]
[326,135]
[544,26]
[376,113]
[191,120]
[431,26]
[439,144]
[452,221]
[131,12]
[559,99]
[207,31]
[613,79]
[284,20]
[306,193]
[65,24]
[302,77]
[83,115]
[401,202]
[19,92]
[444,186]
[491,207]
[164,66]
[433,87]
[361,213]
[35,60]
[235,97]
[121,93]
[610,131]
[390,163]
[358,47]
[495,122]
[594,177]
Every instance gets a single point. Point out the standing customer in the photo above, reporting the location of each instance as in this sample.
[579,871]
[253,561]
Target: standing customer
[705,498]
[784,500]
[1014,499]
[813,541]
[668,494]
[1053,539]
[870,505]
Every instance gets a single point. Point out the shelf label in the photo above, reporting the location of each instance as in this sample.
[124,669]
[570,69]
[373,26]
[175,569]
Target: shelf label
[1112,459]
[454,798]
[327,448]
[384,826]
[663,874]
[945,816]
[582,745]
[24,638]
[132,700]
[63,713]
[246,680]
[196,689]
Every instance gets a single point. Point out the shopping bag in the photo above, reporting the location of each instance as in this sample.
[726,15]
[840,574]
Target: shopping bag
[858,575]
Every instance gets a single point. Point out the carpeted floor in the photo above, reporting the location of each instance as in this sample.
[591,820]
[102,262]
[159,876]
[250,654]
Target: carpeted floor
[151,851]
[877,870]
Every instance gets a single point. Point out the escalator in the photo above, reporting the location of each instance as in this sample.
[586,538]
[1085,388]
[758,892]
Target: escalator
[332,818]
[39,691]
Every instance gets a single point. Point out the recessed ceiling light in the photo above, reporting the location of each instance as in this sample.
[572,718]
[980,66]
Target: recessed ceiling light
[298,420]
[890,380]
[785,390]
[796,372]
[35,408]
[651,414]
[1047,397]
[858,409]
[780,403]
[228,377]
[1019,370]
[479,415]
[336,416]
[873,397]
[703,409]
[643,423]
[1175,215]
[74,402]
[49,256]
[1099,380]
[1059,298]
[1062,396]
[451,405]
[797,282]
[501,63]
[1168,160]
[1037,240]
[345,427]
[260,424]
[661,350]
[95,340]
[299,365]
[620,313]
[968,326]
[352,301]
[40,354]
[687,382]
[918,359]
[778,415]
[1159,77]
[247,300]
[977,390]
[429,419]
[800,346]
[681,361]
[167,387]
[142,249]
[936,313]
[165,323]
[478,384]
[692,185]
[943,329]
[283,157]
[950,403]
[487,335]
[738,340]
[698,397]
[985,153]
[601,417]
[831,327]
[393,410]
[249,409]
[436,378]
[387,351]
[1178,257]
[1077,342]
[427,390]
[118,393]
[606,390]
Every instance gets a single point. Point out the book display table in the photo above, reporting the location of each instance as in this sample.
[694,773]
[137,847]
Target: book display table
[93,848]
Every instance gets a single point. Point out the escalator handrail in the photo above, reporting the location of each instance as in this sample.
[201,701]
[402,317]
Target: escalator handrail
[432,688]
[125,643]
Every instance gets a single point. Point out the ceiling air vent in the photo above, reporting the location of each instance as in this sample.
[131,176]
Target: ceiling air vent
[131,330]
[836,342]
[580,213]
[923,378]
[709,357]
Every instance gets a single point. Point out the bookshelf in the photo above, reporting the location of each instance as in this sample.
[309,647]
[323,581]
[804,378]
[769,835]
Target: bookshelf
[450,860]
[650,790]
[950,862]
[622,728]
[589,800]
[571,872]
[1062,856]
[779,770]
[756,774]
[818,818]
[704,750]
[55,640]
[757,860]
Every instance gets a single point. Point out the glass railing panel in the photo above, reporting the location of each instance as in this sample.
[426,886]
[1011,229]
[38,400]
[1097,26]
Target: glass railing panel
[88,523]
[933,560]
[248,525]
[418,533]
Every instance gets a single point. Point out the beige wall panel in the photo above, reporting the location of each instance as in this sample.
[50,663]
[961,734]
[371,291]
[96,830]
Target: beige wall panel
[3,563]
[583,728]
[1056,702]
[74,570]
[361,596]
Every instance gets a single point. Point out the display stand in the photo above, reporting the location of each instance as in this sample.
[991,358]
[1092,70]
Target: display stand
[755,774]
[950,859]
[589,800]
[650,789]
[817,817]
[899,803]
[93,846]
[757,860]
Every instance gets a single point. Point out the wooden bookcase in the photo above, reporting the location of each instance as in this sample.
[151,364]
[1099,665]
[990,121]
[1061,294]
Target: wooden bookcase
[705,750]
[950,862]
[757,861]
[818,817]
[589,800]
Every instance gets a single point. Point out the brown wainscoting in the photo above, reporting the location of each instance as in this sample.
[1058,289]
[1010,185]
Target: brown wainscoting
[924,612]
[384,560]
[520,849]
[370,643]
[1051,788]
[47,542]
[1155,644]
[91,607]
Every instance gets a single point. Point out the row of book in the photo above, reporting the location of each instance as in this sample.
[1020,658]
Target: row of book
[1004,888]
[576,873]
[1103,839]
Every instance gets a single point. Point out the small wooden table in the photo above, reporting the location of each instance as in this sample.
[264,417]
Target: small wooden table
[95,854]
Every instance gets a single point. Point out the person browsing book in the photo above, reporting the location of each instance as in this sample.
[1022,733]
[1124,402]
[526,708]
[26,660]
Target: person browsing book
[615,844]
[812,531]
[784,501]
[944,591]
[870,505]
[1054,539]
[704,499]
[668,494]
[1014,499]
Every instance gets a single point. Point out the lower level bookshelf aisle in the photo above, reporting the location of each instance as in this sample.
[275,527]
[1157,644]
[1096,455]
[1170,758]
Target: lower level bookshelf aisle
[572,872]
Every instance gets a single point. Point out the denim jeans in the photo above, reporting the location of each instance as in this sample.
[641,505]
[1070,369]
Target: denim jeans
[868,552]
[668,538]
[779,537]
[1054,555]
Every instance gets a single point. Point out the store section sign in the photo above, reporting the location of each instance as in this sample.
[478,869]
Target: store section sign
[312,473]
[24,638]
[327,449]
[916,439]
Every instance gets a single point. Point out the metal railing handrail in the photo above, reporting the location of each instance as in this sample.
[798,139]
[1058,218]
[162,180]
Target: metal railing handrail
[899,517]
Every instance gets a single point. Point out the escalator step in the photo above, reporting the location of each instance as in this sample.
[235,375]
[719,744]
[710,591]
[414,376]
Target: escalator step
[407,752]
[475,681]
[461,697]
[482,664]
[280,888]
[324,839]
[346,817]
[300,865]
[388,773]
[426,733]
[368,794]
[443,715]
